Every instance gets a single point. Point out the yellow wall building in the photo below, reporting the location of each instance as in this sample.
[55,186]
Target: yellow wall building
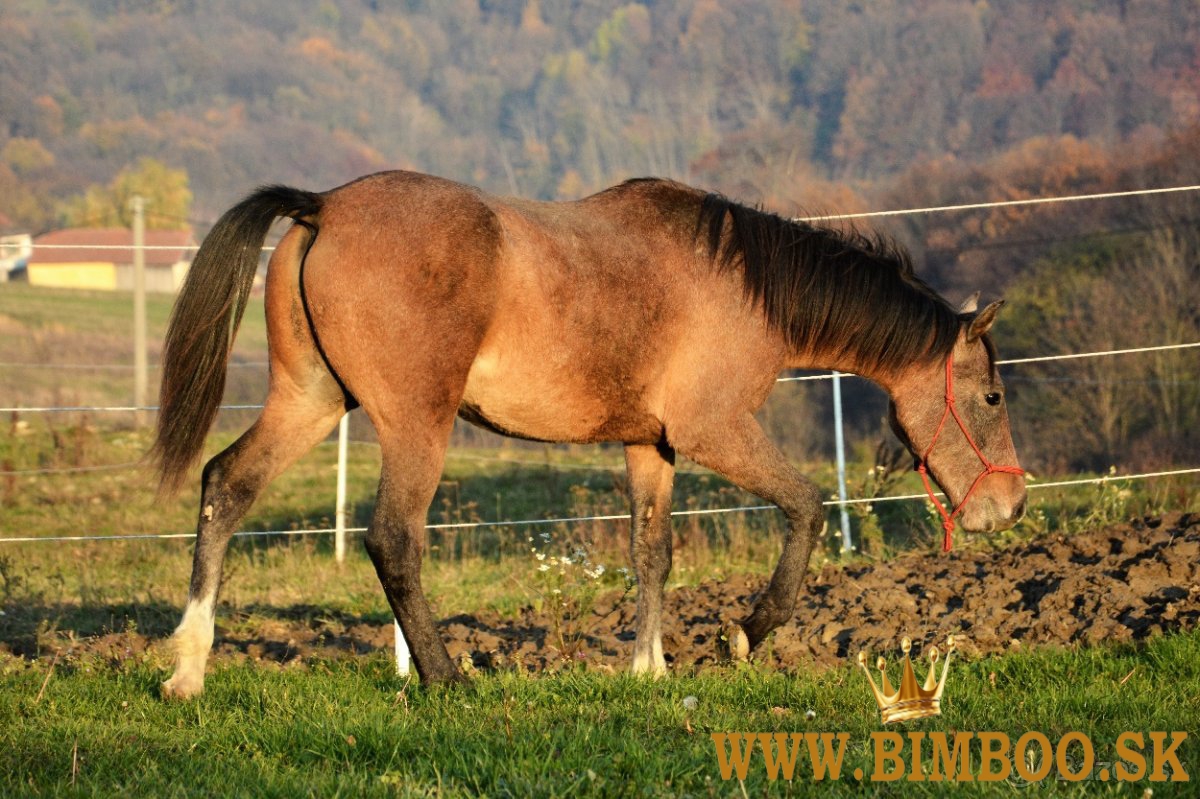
[92,275]
[102,258]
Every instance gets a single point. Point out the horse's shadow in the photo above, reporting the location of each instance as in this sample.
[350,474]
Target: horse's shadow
[37,629]
[121,632]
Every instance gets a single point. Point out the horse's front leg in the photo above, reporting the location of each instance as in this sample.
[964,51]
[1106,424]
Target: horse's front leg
[651,471]
[737,448]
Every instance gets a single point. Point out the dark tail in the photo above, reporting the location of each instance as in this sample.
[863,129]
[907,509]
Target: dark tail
[205,320]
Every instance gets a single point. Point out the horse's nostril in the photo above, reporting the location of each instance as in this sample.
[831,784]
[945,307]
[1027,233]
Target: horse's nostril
[1019,511]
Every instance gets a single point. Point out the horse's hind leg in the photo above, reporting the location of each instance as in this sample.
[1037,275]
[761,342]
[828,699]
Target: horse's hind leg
[651,475]
[290,424]
[413,455]
[738,449]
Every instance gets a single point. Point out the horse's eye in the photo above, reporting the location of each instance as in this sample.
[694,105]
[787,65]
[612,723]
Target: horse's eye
[993,398]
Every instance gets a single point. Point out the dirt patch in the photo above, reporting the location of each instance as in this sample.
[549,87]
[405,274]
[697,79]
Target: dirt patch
[1119,584]
[1122,583]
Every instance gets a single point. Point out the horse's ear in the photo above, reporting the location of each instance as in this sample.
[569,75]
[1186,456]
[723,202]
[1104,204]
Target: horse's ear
[970,304]
[983,321]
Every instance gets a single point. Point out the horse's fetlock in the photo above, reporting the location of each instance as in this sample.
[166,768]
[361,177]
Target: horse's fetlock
[769,614]
[182,687]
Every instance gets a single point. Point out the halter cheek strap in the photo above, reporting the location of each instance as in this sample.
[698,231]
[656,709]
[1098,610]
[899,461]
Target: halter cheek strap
[950,411]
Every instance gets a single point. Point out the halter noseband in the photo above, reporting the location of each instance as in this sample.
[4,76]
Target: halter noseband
[948,518]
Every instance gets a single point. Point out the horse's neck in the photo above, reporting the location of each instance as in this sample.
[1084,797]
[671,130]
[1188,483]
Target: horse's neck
[848,362]
[828,361]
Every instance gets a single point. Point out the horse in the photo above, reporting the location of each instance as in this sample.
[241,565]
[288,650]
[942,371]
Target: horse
[652,314]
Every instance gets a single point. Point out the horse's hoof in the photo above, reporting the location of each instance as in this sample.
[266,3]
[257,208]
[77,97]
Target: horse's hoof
[182,686]
[648,666]
[447,676]
[733,645]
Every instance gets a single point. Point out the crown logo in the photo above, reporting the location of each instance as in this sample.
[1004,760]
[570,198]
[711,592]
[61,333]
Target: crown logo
[911,701]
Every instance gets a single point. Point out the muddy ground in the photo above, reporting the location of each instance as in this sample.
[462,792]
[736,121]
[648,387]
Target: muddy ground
[1122,583]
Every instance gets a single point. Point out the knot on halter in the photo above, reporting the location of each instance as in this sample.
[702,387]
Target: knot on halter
[951,411]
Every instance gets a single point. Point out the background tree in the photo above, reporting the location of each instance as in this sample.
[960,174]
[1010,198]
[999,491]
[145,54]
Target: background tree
[805,106]
[1114,293]
[542,98]
[168,199]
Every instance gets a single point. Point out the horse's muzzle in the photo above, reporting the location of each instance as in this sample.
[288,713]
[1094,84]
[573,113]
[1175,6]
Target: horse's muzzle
[992,513]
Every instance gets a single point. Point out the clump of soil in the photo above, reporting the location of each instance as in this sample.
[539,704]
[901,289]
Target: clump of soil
[1122,583]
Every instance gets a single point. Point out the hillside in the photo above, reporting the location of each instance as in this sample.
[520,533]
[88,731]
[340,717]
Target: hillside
[768,101]
[808,106]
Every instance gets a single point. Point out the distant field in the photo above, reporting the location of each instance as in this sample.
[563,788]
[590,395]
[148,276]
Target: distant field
[103,315]
[75,329]
[465,571]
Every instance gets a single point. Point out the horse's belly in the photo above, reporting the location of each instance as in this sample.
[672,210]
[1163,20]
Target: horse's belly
[540,402]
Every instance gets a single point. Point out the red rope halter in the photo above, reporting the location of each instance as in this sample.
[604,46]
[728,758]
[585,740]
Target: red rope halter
[948,518]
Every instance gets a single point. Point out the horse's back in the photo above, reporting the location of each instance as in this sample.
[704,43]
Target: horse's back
[598,302]
[567,321]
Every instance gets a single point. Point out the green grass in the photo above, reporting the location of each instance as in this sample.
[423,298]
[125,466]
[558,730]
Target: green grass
[354,728]
[90,313]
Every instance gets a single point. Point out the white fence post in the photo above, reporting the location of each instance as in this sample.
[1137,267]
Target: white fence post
[403,659]
[840,444]
[339,515]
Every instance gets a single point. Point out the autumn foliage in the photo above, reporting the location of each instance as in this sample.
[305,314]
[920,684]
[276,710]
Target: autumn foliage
[806,107]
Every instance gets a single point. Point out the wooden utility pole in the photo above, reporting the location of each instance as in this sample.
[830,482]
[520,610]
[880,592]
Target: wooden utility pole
[140,378]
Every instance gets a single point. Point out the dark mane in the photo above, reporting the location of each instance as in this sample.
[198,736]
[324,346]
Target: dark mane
[843,293]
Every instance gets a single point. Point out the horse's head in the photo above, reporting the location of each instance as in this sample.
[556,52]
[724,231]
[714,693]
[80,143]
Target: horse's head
[952,416]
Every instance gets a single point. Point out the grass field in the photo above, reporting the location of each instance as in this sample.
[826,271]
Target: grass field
[76,722]
[354,728]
